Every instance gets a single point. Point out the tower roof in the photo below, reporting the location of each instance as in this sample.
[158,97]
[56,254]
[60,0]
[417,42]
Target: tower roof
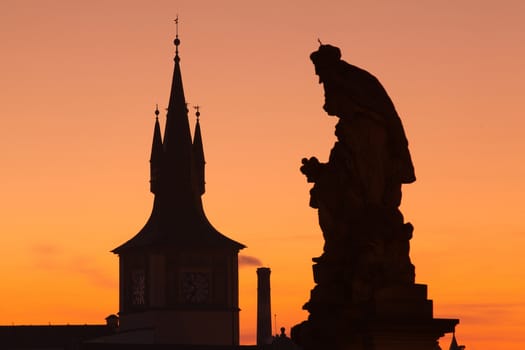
[156,147]
[177,218]
[156,154]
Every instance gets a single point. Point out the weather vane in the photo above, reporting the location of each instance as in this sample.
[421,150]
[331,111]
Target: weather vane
[176,41]
[198,114]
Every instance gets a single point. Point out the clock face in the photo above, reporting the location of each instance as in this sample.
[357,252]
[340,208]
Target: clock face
[195,287]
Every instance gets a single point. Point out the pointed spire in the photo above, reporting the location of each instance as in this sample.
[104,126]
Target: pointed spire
[156,155]
[198,157]
[177,135]
[454,344]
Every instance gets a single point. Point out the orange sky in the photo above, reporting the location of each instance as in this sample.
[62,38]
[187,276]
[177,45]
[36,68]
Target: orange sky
[78,87]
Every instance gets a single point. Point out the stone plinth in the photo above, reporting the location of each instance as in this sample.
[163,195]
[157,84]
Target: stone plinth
[398,318]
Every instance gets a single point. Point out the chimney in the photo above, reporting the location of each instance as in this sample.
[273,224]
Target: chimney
[112,322]
[264,312]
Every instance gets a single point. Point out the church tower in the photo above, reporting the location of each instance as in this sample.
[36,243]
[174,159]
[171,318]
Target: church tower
[178,274]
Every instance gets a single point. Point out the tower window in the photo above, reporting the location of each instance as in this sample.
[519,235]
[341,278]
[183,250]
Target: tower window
[138,287]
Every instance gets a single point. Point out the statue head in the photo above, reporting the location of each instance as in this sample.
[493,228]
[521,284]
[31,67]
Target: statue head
[325,59]
[327,62]
[326,54]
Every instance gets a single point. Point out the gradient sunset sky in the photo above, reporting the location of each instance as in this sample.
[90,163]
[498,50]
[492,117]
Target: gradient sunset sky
[79,81]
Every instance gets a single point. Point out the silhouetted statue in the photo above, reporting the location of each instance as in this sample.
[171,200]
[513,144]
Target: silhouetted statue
[365,273]
[358,191]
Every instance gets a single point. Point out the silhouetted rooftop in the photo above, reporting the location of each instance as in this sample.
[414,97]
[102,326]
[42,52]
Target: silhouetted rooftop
[50,336]
[177,181]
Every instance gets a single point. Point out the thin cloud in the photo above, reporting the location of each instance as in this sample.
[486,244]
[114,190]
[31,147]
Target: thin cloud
[94,274]
[45,249]
[46,256]
[52,257]
[483,313]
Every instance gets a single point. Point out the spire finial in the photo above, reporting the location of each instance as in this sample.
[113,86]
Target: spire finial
[157,111]
[177,40]
[198,114]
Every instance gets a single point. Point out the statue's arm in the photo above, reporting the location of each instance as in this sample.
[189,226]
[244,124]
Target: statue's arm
[312,168]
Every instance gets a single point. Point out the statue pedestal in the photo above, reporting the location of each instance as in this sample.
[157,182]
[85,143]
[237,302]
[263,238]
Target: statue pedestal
[398,318]
[373,335]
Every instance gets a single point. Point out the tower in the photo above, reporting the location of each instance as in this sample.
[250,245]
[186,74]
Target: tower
[178,274]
